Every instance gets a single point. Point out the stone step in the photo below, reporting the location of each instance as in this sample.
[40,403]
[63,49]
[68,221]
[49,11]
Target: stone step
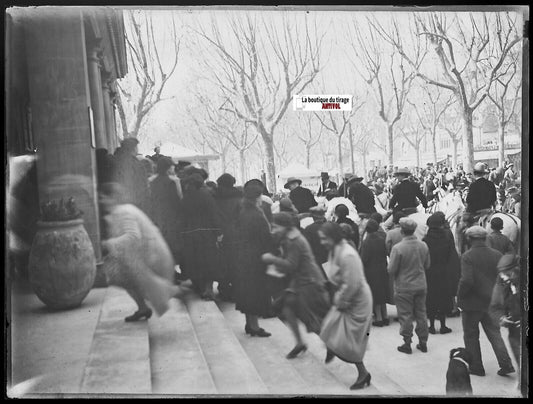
[277,373]
[119,360]
[319,380]
[176,359]
[230,367]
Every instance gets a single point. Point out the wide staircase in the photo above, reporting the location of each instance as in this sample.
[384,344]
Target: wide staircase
[200,348]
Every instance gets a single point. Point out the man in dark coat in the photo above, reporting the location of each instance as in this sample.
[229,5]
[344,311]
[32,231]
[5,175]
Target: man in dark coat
[157,155]
[166,205]
[478,276]
[130,173]
[228,200]
[405,193]
[302,198]
[343,188]
[325,185]
[361,196]
[497,240]
[481,193]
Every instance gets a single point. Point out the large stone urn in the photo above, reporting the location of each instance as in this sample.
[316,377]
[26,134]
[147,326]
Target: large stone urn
[62,265]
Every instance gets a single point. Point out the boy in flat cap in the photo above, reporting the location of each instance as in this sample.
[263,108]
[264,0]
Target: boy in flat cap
[478,276]
[409,261]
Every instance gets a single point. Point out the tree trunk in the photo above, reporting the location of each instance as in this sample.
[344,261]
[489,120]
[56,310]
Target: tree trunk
[352,160]
[417,149]
[455,145]
[364,166]
[468,141]
[242,166]
[339,155]
[434,144]
[270,163]
[307,155]
[223,162]
[501,143]
[390,144]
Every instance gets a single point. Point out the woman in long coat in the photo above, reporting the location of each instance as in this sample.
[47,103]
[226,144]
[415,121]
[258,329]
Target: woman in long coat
[165,204]
[201,231]
[228,200]
[346,327]
[374,257]
[440,275]
[306,298]
[252,296]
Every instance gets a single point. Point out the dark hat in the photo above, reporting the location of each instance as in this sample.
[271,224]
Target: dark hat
[284,219]
[291,180]
[324,174]
[226,180]
[407,224]
[253,189]
[402,171]
[163,164]
[342,210]
[512,190]
[508,261]
[476,232]
[354,178]
[371,226]
[348,175]
[435,220]
[496,223]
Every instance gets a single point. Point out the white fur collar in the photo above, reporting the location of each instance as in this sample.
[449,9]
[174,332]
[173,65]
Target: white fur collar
[461,360]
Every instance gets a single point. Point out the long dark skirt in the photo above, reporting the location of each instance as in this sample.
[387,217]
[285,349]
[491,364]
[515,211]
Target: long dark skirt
[251,290]
[200,257]
[310,303]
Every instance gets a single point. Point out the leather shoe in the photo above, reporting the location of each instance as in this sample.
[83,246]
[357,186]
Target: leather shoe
[445,330]
[405,348]
[362,383]
[422,347]
[386,321]
[296,350]
[260,332]
[506,371]
[377,323]
[432,330]
[138,315]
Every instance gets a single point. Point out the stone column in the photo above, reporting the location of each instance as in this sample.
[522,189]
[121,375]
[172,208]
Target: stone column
[97,99]
[108,115]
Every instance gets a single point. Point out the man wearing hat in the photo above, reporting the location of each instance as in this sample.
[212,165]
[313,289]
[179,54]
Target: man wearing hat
[325,185]
[497,240]
[361,196]
[302,198]
[478,276]
[482,192]
[409,261]
[343,188]
[404,194]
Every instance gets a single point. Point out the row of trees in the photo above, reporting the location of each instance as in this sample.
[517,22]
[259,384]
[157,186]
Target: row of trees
[422,73]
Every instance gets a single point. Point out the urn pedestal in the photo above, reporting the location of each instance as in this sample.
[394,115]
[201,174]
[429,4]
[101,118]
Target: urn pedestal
[62,264]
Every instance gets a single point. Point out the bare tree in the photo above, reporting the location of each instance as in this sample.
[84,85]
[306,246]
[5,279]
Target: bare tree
[413,131]
[504,102]
[470,55]
[429,110]
[308,135]
[258,65]
[452,124]
[280,148]
[363,140]
[383,68]
[149,72]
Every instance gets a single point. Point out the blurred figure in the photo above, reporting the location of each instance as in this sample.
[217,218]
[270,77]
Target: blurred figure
[311,233]
[166,203]
[305,298]
[374,258]
[228,200]
[212,187]
[252,295]
[286,205]
[346,327]
[301,197]
[394,235]
[137,257]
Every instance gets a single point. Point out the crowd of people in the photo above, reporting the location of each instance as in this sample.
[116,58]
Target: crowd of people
[335,273]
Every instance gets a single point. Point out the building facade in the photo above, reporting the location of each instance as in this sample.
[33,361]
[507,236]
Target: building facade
[61,67]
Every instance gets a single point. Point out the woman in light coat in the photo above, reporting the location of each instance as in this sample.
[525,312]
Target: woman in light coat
[138,258]
[346,327]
